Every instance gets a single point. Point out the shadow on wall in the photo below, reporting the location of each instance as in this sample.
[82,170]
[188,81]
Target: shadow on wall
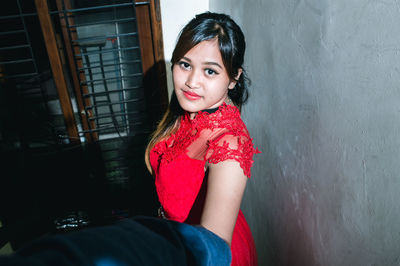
[296,249]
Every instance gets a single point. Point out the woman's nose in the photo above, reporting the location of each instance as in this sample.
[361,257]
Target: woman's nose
[193,80]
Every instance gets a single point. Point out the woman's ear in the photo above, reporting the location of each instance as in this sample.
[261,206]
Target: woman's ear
[232,84]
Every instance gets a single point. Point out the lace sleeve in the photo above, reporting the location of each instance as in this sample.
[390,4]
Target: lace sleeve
[230,147]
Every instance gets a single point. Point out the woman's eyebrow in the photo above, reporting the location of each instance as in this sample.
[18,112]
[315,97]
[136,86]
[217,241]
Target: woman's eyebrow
[204,63]
[212,63]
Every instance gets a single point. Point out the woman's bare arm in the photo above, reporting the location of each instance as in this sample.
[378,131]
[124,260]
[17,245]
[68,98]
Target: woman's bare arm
[226,185]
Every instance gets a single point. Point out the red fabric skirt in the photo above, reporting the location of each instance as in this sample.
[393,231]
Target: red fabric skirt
[243,247]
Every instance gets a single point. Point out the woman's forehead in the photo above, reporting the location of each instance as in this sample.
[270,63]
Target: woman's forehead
[205,52]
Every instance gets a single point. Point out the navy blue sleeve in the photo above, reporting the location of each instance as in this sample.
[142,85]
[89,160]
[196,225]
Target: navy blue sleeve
[131,241]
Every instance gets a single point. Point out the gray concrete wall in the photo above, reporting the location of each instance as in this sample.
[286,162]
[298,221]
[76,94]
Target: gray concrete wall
[325,111]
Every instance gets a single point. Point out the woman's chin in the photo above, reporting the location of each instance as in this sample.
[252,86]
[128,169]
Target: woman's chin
[190,109]
[190,106]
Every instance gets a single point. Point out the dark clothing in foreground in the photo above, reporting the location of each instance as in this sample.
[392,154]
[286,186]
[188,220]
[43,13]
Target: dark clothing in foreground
[133,241]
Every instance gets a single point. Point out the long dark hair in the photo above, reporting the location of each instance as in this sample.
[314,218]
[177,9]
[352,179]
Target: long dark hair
[232,46]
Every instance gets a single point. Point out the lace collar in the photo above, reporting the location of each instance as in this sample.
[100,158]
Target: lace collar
[205,118]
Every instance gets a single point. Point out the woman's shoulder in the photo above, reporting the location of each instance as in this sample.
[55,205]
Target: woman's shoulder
[230,130]
[233,142]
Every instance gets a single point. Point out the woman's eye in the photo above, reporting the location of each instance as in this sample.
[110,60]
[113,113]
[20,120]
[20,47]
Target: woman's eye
[184,65]
[210,72]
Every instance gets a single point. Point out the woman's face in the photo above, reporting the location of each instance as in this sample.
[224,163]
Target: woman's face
[200,78]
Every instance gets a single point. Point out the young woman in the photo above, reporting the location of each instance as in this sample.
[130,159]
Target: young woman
[201,152]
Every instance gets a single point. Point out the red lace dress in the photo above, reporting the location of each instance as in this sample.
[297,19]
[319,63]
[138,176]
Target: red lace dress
[179,166]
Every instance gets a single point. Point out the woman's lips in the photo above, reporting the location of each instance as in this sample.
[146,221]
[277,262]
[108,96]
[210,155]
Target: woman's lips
[191,95]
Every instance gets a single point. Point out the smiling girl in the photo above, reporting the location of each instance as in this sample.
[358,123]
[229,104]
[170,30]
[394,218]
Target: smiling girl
[201,152]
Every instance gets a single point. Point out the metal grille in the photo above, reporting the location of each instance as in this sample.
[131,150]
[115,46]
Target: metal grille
[105,43]
[28,95]
[16,48]
[107,61]
[103,174]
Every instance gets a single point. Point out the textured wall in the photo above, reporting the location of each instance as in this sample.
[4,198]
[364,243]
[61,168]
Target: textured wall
[325,111]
